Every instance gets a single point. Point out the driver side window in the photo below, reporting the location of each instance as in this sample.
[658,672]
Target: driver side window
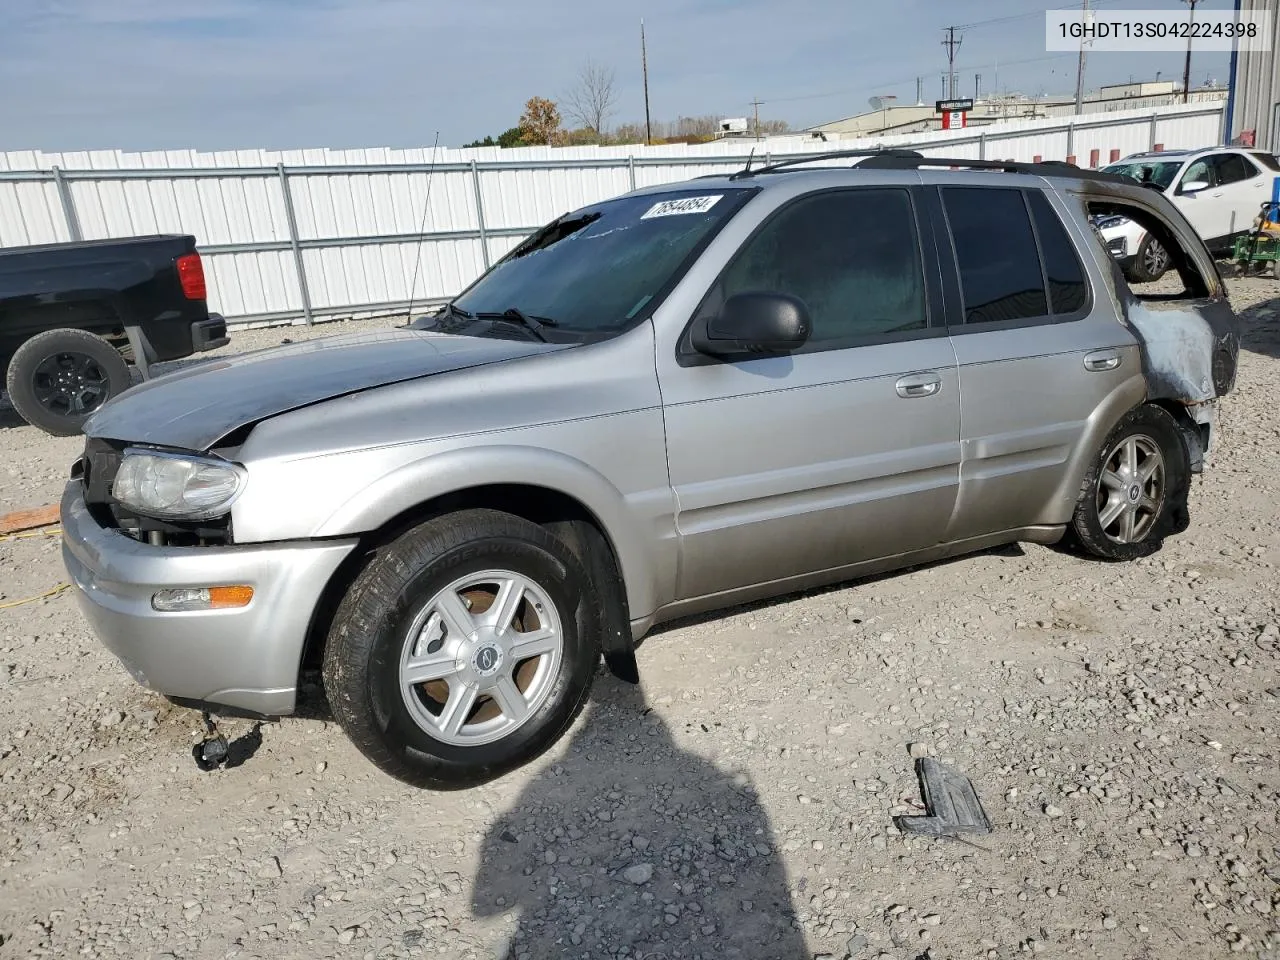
[852,257]
[1201,171]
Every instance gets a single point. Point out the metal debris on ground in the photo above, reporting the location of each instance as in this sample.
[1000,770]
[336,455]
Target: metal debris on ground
[951,803]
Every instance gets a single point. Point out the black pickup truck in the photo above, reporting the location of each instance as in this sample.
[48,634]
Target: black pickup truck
[74,316]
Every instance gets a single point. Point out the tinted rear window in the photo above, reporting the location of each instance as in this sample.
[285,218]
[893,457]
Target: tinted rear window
[1266,159]
[1000,275]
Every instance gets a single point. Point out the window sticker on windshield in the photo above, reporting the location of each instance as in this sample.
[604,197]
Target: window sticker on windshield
[671,208]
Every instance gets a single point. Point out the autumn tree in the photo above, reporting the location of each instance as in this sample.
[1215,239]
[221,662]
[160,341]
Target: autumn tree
[540,123]
[592,98]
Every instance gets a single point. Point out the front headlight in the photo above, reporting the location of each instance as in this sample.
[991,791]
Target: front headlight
[171,486]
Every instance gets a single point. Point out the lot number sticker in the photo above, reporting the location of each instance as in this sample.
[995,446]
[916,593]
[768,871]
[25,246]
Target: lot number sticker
[671,208]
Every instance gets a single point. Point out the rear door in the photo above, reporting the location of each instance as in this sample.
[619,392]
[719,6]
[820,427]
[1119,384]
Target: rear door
[1244,190]
[1036,355]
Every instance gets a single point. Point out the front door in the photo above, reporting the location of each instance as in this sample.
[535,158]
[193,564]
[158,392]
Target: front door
[1208,209]
[1036,359]
[844,451]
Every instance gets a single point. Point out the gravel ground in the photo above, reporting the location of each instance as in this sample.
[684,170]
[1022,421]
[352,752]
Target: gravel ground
[1119,721]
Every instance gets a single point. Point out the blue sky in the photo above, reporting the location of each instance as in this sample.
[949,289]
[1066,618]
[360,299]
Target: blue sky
[226,74]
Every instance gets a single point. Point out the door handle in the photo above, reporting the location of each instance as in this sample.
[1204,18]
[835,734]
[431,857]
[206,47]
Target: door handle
[1102,360]
[918,385]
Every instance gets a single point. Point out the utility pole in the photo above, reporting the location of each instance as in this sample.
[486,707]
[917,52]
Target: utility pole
[952,45]
[644,65]
[919,91]
[1186,70]
[756,104]
[1080,64]
[977,86]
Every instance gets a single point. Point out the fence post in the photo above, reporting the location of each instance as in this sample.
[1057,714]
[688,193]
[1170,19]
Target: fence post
[68,204]
[1071,140]
[982,146]
[298,263]
[484,233]
[631,169]
[1155,117]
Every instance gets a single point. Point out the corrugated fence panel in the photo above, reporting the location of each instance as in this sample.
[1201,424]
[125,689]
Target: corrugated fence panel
[385,273]
[31,213]
[351,222]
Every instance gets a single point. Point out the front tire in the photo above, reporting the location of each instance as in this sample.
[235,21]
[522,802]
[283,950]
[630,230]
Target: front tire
[1135,494]
[464,650]
[59,378]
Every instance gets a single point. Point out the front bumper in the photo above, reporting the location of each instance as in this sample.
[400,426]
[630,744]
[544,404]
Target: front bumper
[246,658]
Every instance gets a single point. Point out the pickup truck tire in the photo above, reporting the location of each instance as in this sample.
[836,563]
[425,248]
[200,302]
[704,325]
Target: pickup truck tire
[1135,493]
[58,378]
[432,604]
[1150,263]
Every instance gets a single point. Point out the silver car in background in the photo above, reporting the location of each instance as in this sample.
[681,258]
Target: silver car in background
[684,398]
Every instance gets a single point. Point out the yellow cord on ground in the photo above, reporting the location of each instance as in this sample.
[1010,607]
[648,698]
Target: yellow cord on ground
[48,593]
[31,534]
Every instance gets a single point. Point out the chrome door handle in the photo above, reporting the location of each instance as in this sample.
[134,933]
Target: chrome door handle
[918,385]
[1102,360]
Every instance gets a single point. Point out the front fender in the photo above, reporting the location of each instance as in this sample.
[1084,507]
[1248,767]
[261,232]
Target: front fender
[451,472]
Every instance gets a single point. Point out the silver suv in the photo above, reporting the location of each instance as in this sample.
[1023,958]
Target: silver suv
[677,400]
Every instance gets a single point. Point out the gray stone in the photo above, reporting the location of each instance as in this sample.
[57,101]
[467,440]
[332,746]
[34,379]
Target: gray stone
[638,873]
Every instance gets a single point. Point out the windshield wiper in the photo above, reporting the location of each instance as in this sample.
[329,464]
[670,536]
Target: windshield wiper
[513,315]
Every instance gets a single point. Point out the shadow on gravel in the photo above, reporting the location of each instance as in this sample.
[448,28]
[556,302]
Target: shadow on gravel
[9,417]
[313,702]
[630,840]
[1260,329]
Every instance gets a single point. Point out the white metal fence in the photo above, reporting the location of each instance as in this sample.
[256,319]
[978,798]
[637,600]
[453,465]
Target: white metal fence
[289,236]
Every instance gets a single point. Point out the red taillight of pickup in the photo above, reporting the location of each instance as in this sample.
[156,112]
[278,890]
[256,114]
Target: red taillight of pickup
[191,274]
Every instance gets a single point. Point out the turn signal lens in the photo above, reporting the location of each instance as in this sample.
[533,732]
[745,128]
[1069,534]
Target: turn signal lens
[202,598]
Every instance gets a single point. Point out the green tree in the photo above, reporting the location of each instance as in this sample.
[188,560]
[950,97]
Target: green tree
[511,138]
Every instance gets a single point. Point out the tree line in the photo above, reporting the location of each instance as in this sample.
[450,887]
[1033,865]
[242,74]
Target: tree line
[589,105]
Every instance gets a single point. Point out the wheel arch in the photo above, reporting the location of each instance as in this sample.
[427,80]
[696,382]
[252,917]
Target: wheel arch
[567,517]
[1125,396]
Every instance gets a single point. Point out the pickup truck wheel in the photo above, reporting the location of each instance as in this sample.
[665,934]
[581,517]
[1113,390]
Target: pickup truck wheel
[59,377]
[1135,494]
[463,650]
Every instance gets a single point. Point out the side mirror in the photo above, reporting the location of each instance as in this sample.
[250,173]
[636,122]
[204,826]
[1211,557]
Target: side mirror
[766,323]
[1195,186]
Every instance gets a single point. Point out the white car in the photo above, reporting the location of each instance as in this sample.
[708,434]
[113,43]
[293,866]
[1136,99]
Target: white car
[1220,190]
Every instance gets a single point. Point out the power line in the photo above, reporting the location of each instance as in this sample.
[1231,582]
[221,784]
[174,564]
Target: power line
[1013,18]
[897,83]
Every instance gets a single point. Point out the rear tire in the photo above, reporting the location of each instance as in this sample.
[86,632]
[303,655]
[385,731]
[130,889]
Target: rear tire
[493,611]
[1150,263]
[1135,493]
[59,378]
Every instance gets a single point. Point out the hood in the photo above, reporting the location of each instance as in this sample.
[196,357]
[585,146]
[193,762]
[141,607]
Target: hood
[195,407]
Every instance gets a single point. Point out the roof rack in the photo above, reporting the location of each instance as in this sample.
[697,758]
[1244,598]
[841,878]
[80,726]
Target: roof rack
[1045,168]
[813,157]
[913,160]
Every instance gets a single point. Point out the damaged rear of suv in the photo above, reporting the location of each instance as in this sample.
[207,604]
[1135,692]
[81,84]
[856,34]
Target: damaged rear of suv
[687,397]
